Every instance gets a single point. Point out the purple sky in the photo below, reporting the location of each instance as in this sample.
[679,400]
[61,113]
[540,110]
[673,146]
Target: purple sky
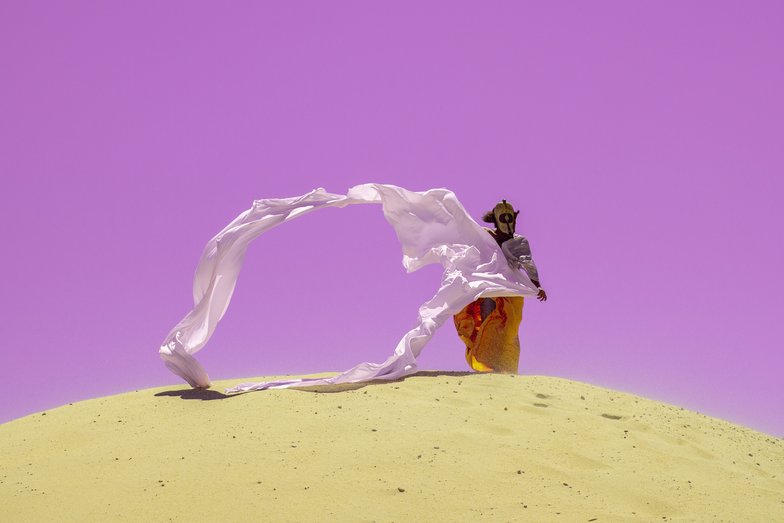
[642,141]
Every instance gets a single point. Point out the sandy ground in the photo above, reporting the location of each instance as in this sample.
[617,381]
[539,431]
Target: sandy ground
[433,447]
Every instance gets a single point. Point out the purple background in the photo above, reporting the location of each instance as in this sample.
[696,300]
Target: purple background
[642,141]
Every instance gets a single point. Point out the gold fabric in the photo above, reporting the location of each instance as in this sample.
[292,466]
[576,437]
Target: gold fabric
[490,333]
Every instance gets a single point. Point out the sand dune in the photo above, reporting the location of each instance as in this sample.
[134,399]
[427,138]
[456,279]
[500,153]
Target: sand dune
[433,447]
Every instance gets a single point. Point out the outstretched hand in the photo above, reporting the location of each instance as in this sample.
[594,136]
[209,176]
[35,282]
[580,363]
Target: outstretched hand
[542,296]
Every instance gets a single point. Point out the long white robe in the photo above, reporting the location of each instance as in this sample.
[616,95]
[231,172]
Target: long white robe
[432,227]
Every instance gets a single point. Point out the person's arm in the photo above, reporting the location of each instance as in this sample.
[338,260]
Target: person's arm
[518,251]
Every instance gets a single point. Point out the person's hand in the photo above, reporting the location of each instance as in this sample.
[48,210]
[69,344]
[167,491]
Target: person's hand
[542,296]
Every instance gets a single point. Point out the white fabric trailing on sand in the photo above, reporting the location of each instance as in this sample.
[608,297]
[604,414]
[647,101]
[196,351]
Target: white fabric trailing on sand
[432,226]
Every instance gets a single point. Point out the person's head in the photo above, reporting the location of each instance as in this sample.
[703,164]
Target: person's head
[504,217]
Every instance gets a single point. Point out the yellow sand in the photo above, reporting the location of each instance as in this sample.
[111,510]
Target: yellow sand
[434,447]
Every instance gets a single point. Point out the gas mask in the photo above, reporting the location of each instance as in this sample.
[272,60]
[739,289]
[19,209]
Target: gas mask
[505,217]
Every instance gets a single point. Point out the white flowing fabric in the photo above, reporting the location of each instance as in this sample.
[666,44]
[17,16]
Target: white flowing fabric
[432,226]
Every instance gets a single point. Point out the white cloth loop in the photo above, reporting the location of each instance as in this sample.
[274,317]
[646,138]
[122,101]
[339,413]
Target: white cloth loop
[432,227]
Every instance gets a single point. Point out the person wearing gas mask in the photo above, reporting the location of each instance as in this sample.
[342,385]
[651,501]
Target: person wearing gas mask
[489,326]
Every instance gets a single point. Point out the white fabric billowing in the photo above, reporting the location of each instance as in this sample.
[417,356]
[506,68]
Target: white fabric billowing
[432,226]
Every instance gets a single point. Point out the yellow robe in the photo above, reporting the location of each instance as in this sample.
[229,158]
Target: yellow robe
[490,333]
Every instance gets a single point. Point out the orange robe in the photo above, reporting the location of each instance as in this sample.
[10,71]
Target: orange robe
[489,330]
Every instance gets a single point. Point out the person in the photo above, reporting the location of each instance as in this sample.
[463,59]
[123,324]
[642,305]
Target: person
[489,327]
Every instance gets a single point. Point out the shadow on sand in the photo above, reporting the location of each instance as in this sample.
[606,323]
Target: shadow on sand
[195,394]
[209,394]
